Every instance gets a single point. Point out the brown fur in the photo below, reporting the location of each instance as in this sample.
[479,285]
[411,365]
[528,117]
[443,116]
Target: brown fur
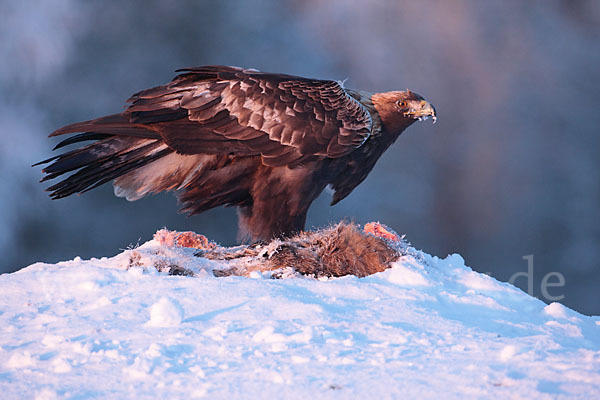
[343,249]
[338,251]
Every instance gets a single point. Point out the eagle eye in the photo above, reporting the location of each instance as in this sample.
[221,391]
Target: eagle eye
[401,103]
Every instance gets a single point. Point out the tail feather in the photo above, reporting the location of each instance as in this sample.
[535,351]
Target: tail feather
[115,124]
[92,153]
[82,137]
[53,168]
[104,166]
[125,168]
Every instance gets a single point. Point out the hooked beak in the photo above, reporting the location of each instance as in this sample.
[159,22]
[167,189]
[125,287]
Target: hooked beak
[422,110]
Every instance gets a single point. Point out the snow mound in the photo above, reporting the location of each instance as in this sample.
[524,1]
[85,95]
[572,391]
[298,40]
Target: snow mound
[165,312]
[122,327]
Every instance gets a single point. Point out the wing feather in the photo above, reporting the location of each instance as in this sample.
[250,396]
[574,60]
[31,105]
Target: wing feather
[280,117]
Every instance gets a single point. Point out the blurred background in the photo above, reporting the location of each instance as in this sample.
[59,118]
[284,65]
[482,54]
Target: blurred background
[511,169]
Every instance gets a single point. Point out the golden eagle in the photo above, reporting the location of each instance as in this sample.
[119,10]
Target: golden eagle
[266,143]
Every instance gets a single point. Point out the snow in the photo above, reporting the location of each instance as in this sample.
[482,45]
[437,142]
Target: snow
[165,312]
[425,328]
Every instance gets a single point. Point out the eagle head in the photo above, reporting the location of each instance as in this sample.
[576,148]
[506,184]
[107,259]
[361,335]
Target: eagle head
[399,109]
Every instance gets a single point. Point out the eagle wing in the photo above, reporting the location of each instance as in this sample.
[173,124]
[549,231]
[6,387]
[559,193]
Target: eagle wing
[286,119]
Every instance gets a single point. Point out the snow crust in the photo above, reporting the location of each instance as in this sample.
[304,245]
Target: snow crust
[426,328]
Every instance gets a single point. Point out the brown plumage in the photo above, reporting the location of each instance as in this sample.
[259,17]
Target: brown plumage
[266,143]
